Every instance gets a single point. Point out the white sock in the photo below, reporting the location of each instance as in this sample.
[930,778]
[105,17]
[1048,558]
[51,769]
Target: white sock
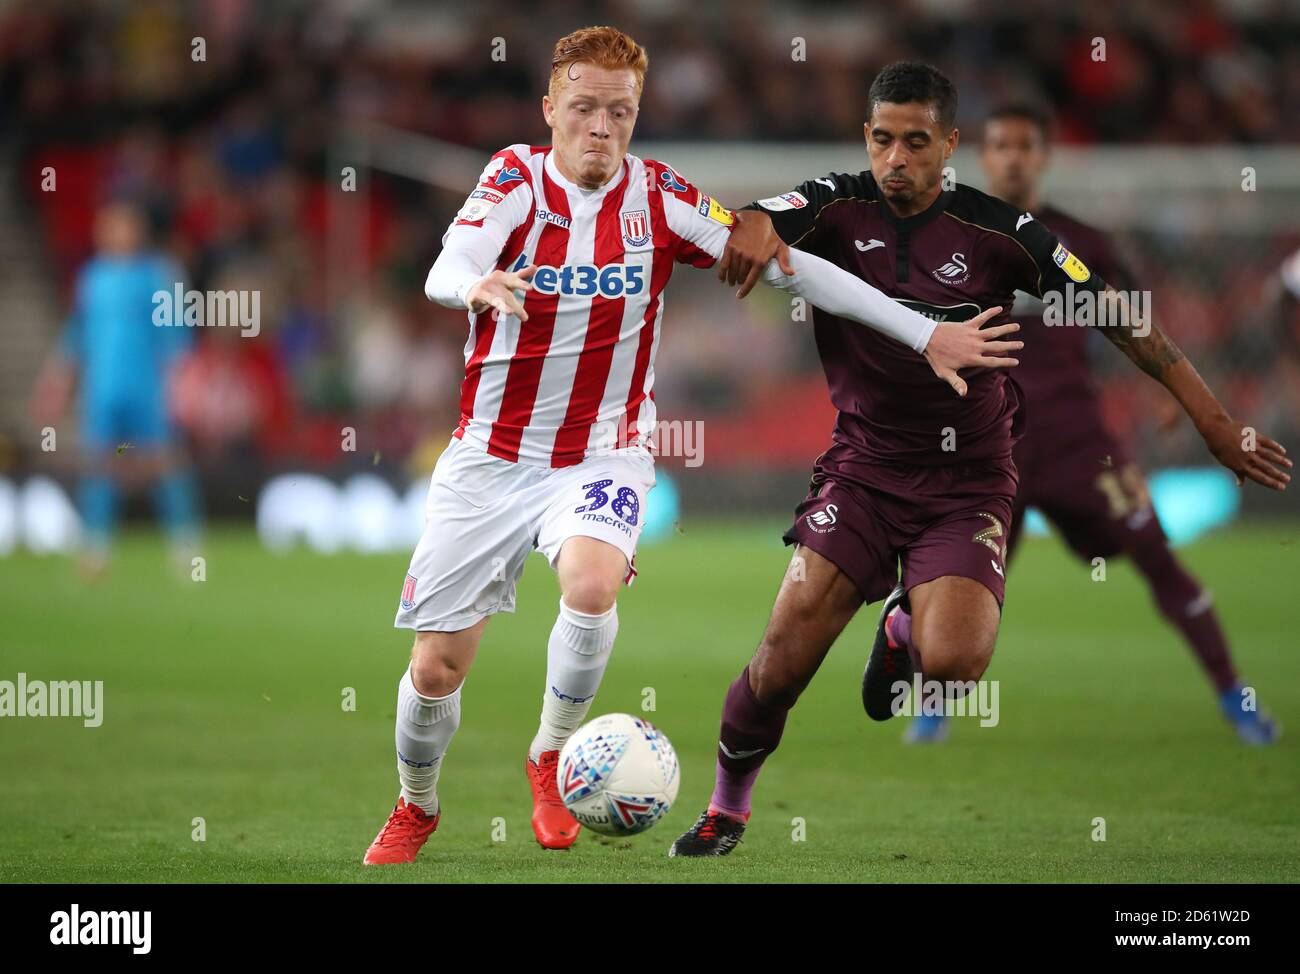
[425,726]
[576,655]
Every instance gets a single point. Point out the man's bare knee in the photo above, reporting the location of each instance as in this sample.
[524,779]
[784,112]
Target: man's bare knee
[592,592]
[955,659]
[436,670]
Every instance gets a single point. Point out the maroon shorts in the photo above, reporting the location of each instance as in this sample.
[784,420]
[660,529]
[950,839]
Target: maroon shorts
[866,517]
[1090,490]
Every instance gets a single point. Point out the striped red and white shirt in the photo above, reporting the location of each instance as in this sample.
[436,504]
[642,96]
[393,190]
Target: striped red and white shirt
[577,378]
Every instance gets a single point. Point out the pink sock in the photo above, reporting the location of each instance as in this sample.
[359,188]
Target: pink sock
[898,630]
[731,793]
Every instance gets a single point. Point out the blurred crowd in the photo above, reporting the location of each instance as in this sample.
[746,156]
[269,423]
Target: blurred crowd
[219,117]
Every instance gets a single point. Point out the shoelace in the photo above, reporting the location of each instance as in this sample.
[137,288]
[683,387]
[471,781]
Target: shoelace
[550,784]
[710,830]
[402,822]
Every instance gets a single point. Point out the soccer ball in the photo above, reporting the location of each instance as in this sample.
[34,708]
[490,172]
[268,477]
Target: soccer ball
[618,774]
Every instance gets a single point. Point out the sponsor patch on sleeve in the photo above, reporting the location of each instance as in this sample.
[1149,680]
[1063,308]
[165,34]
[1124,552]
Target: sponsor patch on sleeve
[1075,269]
[786,201]
[478,206]
[710,208]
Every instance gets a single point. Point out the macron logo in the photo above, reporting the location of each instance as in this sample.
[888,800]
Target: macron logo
[106,927]
[871,244]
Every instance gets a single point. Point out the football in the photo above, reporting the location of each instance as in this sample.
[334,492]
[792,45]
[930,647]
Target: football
[618,774]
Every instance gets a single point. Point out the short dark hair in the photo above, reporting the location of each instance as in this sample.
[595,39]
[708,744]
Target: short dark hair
[908,81]
[1031,112]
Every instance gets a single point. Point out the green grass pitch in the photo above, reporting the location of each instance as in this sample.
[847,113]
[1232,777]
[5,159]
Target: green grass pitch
[223,700]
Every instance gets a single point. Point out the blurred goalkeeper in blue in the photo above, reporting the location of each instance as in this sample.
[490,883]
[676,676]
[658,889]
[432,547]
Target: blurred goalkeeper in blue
[119,356]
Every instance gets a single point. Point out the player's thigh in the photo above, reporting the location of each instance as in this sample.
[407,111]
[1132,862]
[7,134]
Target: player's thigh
[1104,513]
[440,661]
[814,604]
[601,500]
[956,580]
[477,535]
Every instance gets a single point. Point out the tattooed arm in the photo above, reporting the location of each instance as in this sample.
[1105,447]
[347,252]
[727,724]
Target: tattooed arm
[1239,448]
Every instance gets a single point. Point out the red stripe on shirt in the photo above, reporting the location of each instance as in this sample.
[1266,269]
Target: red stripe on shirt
[525,371]
[603,325]
[661,269]
[484,329]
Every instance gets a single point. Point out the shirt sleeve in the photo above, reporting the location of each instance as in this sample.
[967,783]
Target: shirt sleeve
[847,296]
[697,223]
[798,216]
[1050,267]
[474,241]
[703,225]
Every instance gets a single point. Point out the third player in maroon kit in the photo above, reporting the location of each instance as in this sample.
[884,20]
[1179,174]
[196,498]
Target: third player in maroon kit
[1071,467]
[912,478]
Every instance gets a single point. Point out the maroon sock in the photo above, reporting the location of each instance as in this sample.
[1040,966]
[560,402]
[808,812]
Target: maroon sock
[1187,606]
[751,730]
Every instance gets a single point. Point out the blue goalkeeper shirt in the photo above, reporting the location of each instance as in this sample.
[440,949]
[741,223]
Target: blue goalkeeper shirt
[122,357]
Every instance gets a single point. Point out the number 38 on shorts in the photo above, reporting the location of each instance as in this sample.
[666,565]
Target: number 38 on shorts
[624,502]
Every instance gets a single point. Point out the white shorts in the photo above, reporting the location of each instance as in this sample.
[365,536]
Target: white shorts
[483,515]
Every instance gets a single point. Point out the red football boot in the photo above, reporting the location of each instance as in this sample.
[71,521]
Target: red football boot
[554,827]
[402,836]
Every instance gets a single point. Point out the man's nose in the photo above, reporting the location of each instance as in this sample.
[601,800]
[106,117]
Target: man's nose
[600,124]
[896,157]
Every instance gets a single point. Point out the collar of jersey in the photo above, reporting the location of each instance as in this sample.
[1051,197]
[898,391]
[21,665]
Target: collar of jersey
[908,223]
[553,171]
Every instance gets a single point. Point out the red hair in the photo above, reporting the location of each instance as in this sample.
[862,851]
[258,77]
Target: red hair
[605,47]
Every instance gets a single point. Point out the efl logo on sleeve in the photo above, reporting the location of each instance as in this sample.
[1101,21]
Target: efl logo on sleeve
[478,205]
[1075,269]
[711,209]
[786,201]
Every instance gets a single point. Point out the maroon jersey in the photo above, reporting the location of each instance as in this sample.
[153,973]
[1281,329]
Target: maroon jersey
[967,252]
[1054,370]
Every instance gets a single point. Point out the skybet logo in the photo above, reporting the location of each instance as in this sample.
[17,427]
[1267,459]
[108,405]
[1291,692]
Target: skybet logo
[102,928]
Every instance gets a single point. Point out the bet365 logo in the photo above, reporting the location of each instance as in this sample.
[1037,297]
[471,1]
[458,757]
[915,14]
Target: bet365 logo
[588,280]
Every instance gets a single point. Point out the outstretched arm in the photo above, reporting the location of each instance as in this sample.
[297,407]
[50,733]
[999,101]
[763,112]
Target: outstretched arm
[1239,448]
[754,249]
[947,346]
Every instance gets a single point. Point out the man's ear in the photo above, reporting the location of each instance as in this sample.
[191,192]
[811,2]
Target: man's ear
[548,111]
[953,138]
